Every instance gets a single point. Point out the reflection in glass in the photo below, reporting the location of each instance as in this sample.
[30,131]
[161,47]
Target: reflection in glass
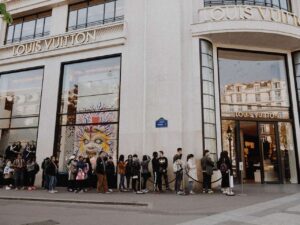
[288,154]
[89,109]
[30,27]
[95,12]
[270,152]
[20,97]
[253,83]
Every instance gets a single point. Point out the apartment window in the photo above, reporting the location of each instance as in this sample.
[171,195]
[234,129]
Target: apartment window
[29,27]
[95,12]
[281,4]
[208,97]
[277,85]
[239,98]
[277,95]
[257,97]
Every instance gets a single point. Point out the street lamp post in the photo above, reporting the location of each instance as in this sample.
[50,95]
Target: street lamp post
[229,137]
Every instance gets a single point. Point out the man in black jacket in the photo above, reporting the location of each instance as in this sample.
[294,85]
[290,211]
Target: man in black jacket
[101,173]
[155,168]
[163,171]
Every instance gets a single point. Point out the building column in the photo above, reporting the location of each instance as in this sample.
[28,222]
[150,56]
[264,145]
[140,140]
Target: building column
[59,20]
[3,26]
[47,122]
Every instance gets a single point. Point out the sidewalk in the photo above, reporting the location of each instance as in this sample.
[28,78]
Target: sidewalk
[168,202]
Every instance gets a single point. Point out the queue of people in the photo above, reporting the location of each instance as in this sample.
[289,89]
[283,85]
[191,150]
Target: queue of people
[18,167]
[100,173]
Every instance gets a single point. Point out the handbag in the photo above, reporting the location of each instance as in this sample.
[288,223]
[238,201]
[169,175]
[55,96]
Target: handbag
[80,175]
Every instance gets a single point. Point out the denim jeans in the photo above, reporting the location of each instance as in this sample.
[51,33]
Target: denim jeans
[191,184]
[178,180]
[52,182]
[122,182]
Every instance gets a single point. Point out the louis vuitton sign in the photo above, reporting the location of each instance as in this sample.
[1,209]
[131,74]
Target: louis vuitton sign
[53,43]
[256,13]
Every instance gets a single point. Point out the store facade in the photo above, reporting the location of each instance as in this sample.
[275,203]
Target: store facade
[223,74]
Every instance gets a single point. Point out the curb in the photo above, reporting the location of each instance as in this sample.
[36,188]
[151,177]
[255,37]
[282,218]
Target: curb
[136,204]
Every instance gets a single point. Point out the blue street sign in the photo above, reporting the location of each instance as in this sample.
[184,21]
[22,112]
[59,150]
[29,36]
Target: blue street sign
[161,122]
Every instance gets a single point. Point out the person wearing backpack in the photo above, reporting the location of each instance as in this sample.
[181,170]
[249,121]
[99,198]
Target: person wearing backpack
[225,166]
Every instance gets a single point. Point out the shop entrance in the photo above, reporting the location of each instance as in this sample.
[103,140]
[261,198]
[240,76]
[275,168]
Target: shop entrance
[256,116]
[260,152]
[264,148]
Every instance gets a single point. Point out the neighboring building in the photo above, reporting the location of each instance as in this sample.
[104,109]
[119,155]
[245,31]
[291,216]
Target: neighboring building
[84,76]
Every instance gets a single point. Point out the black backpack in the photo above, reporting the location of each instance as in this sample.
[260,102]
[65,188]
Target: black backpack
[223,167]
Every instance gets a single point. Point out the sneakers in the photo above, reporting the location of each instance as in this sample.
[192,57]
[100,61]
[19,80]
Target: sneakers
[53,191]
[192,193]
[180,193]
[210,191]
[30,189]
[7,188]
[110,190]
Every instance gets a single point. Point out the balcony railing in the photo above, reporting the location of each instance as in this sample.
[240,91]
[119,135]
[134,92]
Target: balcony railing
[280,4]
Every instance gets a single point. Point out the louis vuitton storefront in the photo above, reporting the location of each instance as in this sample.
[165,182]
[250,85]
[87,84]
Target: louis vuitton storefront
[85,76]
[249,59]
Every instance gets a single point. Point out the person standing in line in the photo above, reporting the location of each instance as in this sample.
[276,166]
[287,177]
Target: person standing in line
[207,165]
[101,173]
[19,167]
[45,178]
[155,168]
[178,170]
[80,175]
[192,172]
[31,171]
[121,172]
[163,170]
[136,170]
[72,172]
[1,170]
[110,173]
[128,171]
[88,174]
[8,175]
[51,172]
[145,172]
[225,166]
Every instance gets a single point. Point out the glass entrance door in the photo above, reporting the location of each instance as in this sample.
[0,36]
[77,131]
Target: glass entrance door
[269,153]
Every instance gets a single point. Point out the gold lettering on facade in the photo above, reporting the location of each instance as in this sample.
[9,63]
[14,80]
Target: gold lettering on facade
[257,115]
[55,43]
[259,13]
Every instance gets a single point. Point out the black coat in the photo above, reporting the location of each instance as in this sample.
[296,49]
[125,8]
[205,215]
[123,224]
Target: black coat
[155,165]
[51,169]
[100,166]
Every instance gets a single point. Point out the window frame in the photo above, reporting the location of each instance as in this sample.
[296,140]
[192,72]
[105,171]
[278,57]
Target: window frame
[211,3]
[60,114]
[94,23]
[35,35]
